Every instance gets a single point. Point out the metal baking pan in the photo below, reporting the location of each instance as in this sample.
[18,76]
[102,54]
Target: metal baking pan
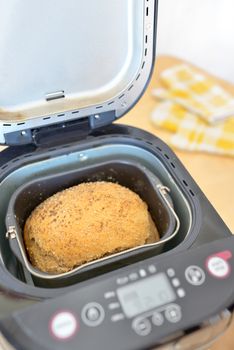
[129,174]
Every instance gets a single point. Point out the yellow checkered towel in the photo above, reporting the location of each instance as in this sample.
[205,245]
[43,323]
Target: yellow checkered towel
[196,92]
[192,134]
[194,121]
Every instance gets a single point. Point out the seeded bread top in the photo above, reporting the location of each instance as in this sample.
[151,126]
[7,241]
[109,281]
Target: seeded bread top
[84,223]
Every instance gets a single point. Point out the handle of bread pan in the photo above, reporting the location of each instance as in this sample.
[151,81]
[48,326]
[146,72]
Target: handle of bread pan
[163,191]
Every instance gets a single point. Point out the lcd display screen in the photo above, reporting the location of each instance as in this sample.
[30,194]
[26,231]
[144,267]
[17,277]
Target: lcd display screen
[145,295]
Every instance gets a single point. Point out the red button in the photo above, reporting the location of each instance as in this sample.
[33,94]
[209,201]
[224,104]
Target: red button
[63,325]
[217,264]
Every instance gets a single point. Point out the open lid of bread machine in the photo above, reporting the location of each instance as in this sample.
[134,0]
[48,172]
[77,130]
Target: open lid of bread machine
[71,64]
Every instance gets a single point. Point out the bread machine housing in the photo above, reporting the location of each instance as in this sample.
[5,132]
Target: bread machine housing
[68,70]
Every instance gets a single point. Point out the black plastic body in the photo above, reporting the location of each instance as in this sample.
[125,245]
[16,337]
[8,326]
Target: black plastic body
[206,227]
[31,328]
[129,174]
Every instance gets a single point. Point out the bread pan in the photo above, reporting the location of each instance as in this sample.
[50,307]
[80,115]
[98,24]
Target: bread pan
[129,174]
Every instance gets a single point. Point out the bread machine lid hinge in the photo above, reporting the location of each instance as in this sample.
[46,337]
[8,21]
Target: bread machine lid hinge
[60,133]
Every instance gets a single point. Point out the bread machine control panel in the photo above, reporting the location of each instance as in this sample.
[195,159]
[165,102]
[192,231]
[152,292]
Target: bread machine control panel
[135,307]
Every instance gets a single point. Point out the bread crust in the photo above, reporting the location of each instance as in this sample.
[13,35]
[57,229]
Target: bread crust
[84,223]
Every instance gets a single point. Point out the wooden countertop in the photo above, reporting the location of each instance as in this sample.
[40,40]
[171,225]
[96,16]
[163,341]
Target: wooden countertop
[214,174]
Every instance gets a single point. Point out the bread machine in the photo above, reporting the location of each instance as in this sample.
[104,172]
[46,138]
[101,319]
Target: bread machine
[68,70]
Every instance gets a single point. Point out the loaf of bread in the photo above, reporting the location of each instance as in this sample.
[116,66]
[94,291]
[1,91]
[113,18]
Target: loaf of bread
[84,223]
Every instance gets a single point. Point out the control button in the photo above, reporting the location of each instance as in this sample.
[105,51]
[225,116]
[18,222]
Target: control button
[93,314]
[176,282]
[133,276]
[122,280]
[109,295]
[152,269]
[141,326]
[195,275]
[171,272]
[63,325]
[157,319]
[181,293]
[218,267]
[117,317]
[114,306]
[142,273]
[173,313]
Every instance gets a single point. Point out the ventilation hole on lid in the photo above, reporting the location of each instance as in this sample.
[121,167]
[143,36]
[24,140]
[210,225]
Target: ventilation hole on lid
[111,103]
[6,124]
[21,123]
[147,11]
[75,112]
[45,118]
[146,39]
[130,88]
[98,107]
[4,167]
[146,52]
[138,76]
[166,156]
[149,143]
[143,65]
[192,193]
[121,96]
[61,115]
[51,149]
[159,149]
[173,165]
[15,160]
[185,183]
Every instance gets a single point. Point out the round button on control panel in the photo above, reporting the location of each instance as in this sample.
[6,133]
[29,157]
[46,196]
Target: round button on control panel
[93,314]
[157,319]
[142,326]
[63,325]
[218,267]
[173,313]
[195,275]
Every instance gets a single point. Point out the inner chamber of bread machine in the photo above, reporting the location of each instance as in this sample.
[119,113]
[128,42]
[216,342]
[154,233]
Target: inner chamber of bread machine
[130,165]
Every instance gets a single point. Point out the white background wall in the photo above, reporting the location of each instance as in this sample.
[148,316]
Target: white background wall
[200,31]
